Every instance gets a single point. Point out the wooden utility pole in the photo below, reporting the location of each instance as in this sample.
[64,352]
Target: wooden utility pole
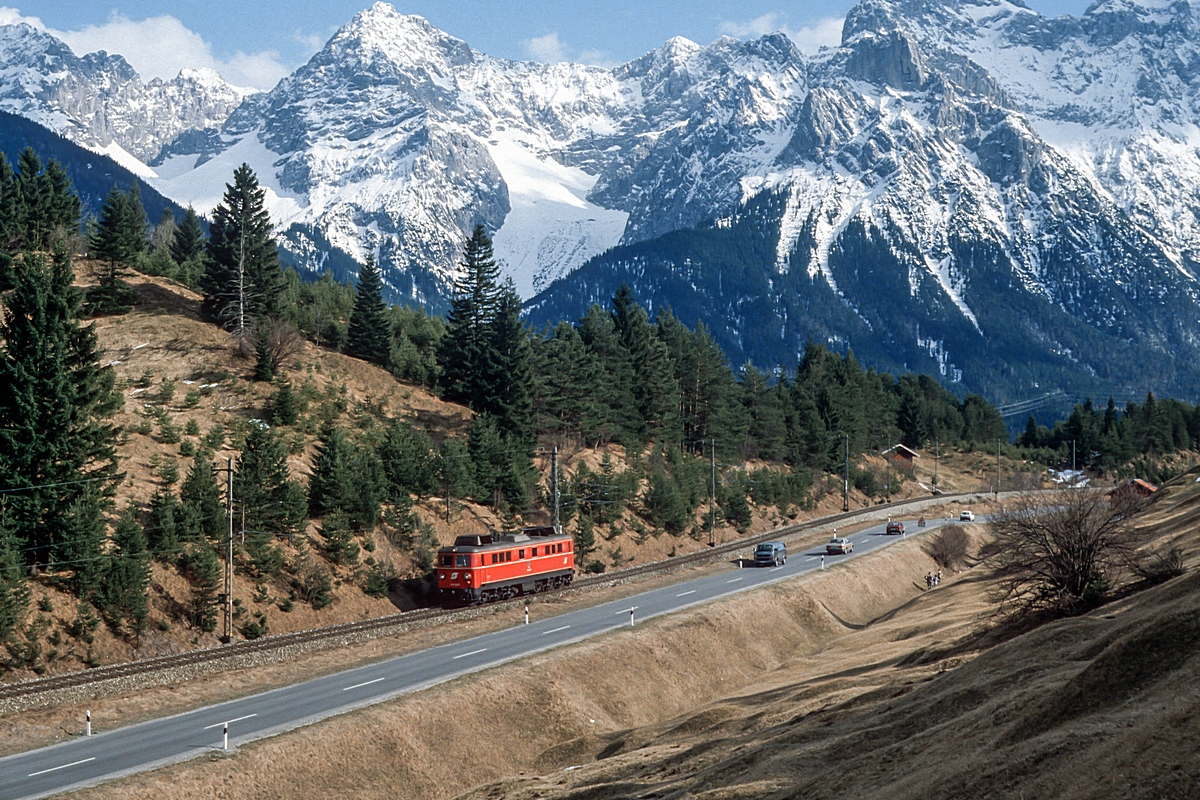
[228,635]
[846,477]
[712,496]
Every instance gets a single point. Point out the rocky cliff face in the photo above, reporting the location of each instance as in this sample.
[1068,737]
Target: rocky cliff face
[99,101]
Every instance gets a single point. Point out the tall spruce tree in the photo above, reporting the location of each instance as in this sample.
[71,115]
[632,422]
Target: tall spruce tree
[55,404]
[269,500]
[123,597]
[242,281]
[508,397]
[467,354]
[118,239]
[370,334]
[187,241]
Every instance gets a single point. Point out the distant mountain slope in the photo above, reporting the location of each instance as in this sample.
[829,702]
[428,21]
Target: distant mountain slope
[92,175]
[961,186]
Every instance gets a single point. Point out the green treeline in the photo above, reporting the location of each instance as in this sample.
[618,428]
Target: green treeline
[1128,441]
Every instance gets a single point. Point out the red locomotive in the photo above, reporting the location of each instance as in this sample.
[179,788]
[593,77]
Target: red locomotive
[482,569]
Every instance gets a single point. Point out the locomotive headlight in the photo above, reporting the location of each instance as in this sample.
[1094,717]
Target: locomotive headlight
[442,577]
[467,577]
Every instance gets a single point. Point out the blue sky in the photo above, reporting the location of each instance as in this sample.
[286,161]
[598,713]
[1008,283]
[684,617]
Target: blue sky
[256,42]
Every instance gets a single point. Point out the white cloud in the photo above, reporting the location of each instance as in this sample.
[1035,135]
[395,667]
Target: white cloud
[810,38]
[546,48]
[159,47]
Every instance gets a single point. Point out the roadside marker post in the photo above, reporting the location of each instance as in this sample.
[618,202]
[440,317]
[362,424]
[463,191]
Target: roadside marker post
[631,617]
[225,735]
[89,722]
[822,562]
[224,726]
[526,615]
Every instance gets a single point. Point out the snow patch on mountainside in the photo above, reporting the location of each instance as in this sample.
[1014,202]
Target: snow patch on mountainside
[551,228]
[204,186]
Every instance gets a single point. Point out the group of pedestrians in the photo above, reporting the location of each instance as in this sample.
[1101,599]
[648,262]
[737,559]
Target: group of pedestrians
[932,580]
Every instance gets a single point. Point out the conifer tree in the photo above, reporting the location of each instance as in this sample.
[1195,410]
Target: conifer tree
[9,227]
[118,239]
[332,480]
[272,503]
[508,398]
[32,219]
[370,334]
[285,406]
[55,403]
[242,281]
[14,592]
[202,568]
[409,461]
[467,354]
[62,204]
[202,515]
[123,596]
[162,530]
[187,240]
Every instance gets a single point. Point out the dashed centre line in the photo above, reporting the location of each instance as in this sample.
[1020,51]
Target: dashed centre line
[472,653]
[684,594]
[229,721]
[735,580]
[556,630]
[64,766]
[360,685]
[627,610]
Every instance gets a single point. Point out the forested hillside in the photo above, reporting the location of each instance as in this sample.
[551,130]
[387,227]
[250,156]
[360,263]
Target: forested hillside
[109,483]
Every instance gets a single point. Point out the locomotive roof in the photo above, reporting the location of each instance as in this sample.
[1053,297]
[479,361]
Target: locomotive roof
[474,543]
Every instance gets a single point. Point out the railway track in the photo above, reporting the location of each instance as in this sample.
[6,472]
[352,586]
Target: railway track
[332,632]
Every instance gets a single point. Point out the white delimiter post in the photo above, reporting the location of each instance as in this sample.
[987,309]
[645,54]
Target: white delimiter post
[631,617]
[526,615]
[822,562]
[225,733]
[89,722]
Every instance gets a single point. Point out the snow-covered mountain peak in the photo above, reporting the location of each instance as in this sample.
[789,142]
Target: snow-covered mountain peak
[408,42]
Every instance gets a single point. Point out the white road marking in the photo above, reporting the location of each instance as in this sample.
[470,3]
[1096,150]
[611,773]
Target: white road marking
[627,610]
[64,766]
[776,569]
[735,580]
[228,721]
[814,558]
[360,685]
[556,630]
[682,594]
[472,653]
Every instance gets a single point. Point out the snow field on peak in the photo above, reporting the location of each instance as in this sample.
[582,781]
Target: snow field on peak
[551,228]
[204,186]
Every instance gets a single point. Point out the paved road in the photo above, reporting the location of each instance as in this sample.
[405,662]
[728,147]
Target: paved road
[88,761]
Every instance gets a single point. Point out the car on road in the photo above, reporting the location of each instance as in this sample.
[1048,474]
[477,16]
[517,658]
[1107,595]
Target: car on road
[838,545]
[895,528]
[966,516]
[770,554]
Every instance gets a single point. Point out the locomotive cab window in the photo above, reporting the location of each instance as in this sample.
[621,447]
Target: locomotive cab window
[533,553]
[521,553]
[462,561]
[447,561]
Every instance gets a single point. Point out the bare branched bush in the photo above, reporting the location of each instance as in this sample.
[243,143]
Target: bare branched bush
[279,340]
[1160,566]
[1060,552]
[948,547]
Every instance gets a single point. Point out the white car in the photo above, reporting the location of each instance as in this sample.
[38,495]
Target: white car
[966,516]
[839,545]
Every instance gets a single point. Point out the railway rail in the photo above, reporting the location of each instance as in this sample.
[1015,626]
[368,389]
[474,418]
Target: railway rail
[333,632]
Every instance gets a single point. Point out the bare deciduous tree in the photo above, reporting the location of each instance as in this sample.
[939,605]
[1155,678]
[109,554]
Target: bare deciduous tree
[278,341]
[948,547]
[1060,552]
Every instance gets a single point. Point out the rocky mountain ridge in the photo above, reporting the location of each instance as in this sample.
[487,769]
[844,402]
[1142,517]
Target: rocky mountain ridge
[1010,180]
